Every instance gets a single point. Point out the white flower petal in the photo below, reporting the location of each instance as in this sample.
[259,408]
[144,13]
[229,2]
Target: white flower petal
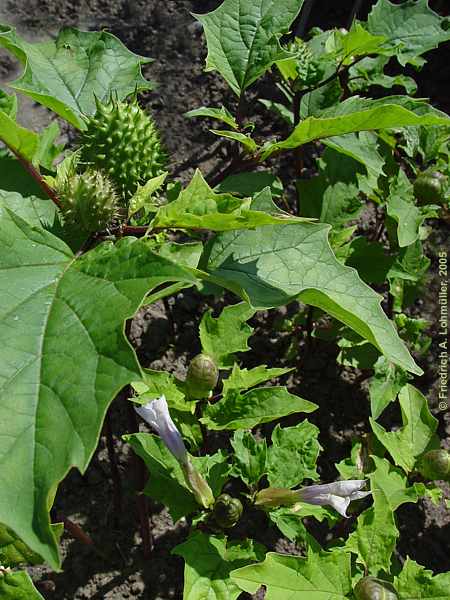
[339,504]
[338,494]
[157,415]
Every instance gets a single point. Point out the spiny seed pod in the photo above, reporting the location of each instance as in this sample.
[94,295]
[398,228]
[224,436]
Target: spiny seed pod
[308,69]
[89,201]
[371,588]
[122,140]
[429,187]
[227,510]
[202,376]
[435,464]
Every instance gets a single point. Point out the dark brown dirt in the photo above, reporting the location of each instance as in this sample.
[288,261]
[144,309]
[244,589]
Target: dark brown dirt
[165,335]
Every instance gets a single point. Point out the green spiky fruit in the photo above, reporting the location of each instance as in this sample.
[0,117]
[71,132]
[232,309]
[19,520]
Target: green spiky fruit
[122,140]
[309,71]
[89,201]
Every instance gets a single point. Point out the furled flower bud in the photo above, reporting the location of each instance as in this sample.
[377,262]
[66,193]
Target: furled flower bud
[372,588]
[435,464]
[198,485]
[338,495]
[157,415]
[273,497]
[227,510]
[201,376]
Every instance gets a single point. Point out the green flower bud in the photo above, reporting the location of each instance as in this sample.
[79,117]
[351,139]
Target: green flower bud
[202,376]
[371,588]
[227,510]
[88,201]
[429,187]
[435,464]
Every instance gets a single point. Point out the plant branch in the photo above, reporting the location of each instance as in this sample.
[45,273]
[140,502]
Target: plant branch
[240,112]
[237,165]
[37,177]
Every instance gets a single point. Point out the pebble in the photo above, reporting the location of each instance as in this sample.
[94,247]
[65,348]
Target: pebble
[137,588]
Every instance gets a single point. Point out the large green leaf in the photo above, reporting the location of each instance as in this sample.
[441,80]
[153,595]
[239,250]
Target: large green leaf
[13,552]
[320,576]
[276,264]
[376,534]
[347,45]
[363,147]
[226,334]
[8,104]
[384,386]
[221,114]
[370,71]
[417,434]
[67,73]
[243,38]
[360,114]
[37,149]
[249,457]
[243,379]
[198,206]
[63,358]
[261,405]
[293,454]
[18,586]
[35,211]
[158,383]
[418,583]
[248,142]
[209,559]
[21,140]
[332,196]
[411,28]
[250,184]
[402,208]
[14,178]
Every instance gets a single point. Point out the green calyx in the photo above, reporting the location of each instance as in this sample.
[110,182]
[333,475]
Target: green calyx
[430,187]
[372,588]
[227,511]
[122,140]
[202,376]
[89,201]
[435,464]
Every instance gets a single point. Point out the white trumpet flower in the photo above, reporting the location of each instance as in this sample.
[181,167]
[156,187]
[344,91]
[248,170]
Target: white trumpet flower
[156,414]
[338,494]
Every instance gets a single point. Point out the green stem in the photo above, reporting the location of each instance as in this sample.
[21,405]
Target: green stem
[37,177]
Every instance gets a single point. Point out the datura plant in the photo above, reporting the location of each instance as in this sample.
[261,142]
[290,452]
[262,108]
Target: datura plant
[93,231]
